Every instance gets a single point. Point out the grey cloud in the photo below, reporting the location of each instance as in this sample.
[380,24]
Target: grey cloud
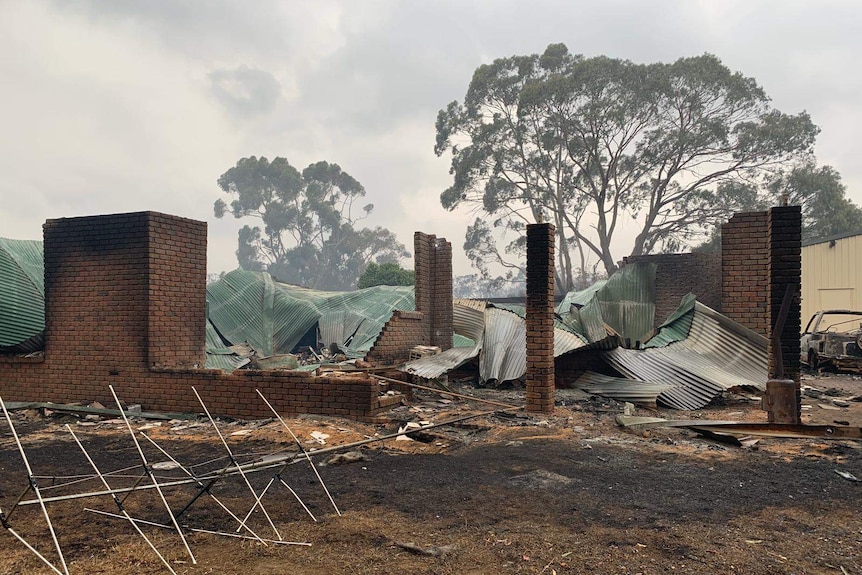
[245,92]
[205,29]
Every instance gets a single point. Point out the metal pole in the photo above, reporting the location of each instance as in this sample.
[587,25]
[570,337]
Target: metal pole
[233,460]
[27,545]
[268,485]
[35,487]
[118,502]
[274,462]
[289,488]
[163,526]
[149,472]
[208,492]
[304,452]
[257,499]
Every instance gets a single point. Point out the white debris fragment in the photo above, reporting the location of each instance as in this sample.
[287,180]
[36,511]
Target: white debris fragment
[320,437]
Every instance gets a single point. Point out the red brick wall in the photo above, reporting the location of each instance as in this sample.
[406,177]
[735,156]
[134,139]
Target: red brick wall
[96,291]
[404,331]
[114,303]
[680,274]
[540,317]
[745,270]
[230,395]
[176,302]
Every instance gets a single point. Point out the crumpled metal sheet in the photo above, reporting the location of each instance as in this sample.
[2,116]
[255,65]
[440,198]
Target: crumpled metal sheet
[504,351]
[500,336]
[273,317]
[22,295]
[468,319]
[625,302]
[632,390]
[718,354]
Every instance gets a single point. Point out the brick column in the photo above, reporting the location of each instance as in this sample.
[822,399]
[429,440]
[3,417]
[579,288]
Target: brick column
[744,270]
[423,283]
[785,270]
[433,287]
[442,328]
[540,318]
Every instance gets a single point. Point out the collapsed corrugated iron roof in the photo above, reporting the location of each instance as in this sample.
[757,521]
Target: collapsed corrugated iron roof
[717,354]
[273,317]
[22,305]
[499,336]
[695,355]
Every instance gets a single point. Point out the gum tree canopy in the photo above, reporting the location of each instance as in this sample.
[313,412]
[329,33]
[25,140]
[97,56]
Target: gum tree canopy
[588,143]
[308,236]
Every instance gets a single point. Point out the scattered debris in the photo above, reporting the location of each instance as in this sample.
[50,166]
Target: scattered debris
[343,458]
[319,437]
[848,476]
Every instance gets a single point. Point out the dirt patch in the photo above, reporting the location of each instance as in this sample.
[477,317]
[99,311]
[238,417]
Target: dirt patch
[508,493]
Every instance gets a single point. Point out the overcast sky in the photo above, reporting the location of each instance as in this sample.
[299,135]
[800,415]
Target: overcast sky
[115,106]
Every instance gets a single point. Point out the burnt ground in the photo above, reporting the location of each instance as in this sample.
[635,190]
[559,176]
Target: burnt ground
[569,493]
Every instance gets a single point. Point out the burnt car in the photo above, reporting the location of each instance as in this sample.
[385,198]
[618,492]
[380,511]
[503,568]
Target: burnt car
[833,340]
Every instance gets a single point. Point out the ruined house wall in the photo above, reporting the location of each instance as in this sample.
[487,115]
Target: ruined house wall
[745,270]
[125,304]
[680,274]
[540,318]
[404,331]
[432,322]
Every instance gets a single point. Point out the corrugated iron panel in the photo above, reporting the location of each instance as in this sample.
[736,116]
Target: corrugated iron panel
[504,352]
[677,326]
[717,354]
[590,319]
[622,389]
[627,301]
[228,363]
[338,326]
[272,317]
[479,304]
[374,305]
[579,298]
[468,321]
[566,341]
[22,285]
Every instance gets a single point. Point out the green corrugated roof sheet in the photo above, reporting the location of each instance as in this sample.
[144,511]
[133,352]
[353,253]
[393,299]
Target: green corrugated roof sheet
[272,317]
[625,302]
[22,285]
[677,326]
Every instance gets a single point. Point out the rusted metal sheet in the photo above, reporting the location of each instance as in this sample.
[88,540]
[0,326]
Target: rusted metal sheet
[784,430]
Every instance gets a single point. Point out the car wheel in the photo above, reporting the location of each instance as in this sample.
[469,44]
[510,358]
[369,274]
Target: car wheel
[813,360]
